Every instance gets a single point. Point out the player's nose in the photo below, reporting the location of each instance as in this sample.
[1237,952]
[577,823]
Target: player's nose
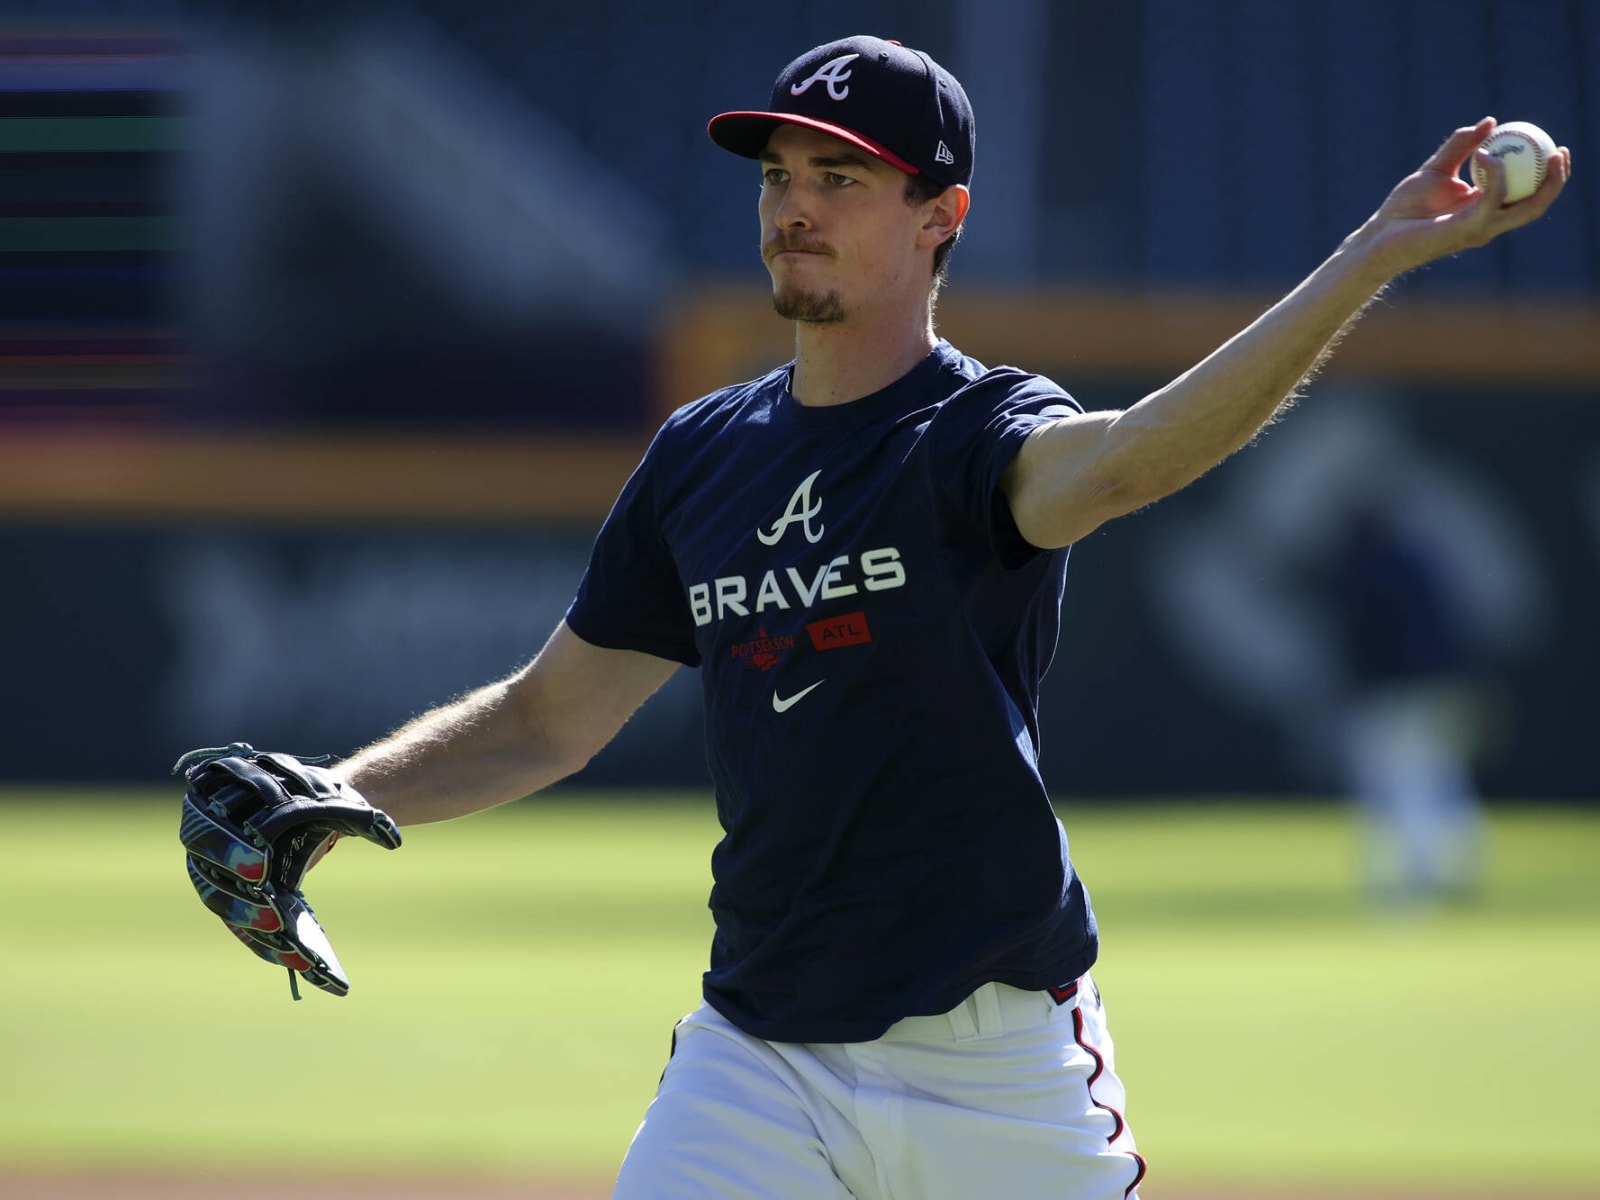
[790,210]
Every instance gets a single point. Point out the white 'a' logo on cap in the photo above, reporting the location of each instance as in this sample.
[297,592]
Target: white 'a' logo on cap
[833,74]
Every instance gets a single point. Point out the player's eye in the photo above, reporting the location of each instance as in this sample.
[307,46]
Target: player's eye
[773,175]
[839,180]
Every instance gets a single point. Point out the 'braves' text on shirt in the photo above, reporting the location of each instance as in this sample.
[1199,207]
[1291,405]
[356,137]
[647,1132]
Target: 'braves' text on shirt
[877,570]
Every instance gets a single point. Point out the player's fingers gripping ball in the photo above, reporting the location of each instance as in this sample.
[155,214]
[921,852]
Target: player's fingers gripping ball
[253,825]
[1524,152]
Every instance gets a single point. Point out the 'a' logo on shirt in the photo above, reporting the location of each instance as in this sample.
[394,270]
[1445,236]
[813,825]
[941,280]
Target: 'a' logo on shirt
[801,508]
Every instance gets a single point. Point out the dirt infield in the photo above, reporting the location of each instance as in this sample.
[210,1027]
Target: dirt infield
[150,1187]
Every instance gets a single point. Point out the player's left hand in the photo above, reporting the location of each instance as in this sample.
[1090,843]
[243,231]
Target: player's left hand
[1434,212]
[253,825]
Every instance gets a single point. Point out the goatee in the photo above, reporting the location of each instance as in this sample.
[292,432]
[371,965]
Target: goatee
[814,308]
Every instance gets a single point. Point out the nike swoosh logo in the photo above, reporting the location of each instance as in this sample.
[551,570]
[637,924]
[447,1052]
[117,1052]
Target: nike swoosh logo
[781,705]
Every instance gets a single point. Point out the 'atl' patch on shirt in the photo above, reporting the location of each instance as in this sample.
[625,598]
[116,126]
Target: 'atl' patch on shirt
[847,630]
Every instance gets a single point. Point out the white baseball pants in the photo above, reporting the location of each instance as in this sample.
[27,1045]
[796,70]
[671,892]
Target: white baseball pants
[1007,1095]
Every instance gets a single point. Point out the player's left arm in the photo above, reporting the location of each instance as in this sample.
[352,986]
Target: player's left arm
[1074,474]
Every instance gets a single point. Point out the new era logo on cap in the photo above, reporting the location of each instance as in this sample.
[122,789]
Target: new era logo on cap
[893,102]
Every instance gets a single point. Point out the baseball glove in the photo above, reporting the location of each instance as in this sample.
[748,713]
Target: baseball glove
[253,825]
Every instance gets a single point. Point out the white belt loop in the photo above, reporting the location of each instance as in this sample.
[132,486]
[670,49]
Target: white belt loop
[961,1022]
[988,1011]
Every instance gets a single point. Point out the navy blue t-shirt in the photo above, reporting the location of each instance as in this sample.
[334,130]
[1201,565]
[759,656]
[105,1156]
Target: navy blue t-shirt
[871,630]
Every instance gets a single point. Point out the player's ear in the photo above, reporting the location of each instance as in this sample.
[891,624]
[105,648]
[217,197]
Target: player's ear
[943,214]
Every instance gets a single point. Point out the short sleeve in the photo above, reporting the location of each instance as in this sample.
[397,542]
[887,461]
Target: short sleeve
[630,597]
[985,426]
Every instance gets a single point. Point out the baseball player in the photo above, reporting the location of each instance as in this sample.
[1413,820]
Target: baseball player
[863,552]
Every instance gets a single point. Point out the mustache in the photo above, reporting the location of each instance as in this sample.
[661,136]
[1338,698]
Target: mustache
[779,242]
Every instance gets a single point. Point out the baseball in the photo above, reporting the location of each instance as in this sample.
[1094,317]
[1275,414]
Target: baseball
[1525,150]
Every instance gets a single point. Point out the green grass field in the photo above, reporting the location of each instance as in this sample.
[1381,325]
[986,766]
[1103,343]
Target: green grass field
[516,977]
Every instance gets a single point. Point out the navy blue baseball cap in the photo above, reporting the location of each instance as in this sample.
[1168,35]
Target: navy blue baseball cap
[895,103]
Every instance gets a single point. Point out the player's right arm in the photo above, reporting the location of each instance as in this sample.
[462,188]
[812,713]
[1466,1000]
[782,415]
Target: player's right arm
[1074,474]
[509,738]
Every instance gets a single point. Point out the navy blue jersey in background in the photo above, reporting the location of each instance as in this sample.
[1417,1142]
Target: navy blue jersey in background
[871,630]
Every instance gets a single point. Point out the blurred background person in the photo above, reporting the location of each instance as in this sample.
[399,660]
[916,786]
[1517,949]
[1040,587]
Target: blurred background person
[1369,600]
[1413,676]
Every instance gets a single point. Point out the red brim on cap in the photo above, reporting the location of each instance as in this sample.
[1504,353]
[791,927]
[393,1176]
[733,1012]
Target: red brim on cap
[746,134]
